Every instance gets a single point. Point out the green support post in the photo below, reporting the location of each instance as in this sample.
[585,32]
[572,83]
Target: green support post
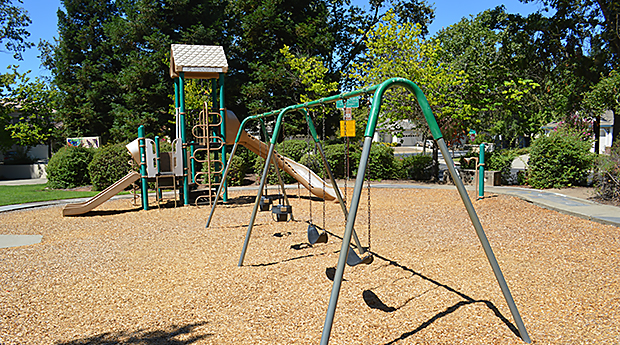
[214,108]
[183,142]
[481,173]
[145,190]
[223,133]
[158,162]
[193,162]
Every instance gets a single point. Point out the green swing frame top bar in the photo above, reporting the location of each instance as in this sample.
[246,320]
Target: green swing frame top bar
[379,90]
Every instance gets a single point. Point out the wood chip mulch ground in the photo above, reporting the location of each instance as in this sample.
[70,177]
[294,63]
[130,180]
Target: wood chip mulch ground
[121,275]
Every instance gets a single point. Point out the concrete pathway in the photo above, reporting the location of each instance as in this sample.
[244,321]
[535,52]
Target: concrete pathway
[582,208]
[7,241]
[23,182]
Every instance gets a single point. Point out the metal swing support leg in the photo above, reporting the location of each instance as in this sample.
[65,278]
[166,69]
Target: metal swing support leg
[256,202]
[222,183]
[432,123]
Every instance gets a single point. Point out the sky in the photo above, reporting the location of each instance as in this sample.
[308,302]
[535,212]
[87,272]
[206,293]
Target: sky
[44,24]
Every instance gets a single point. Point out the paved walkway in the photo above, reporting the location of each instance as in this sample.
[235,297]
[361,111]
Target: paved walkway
[587,209]
[582,208]
[23,182]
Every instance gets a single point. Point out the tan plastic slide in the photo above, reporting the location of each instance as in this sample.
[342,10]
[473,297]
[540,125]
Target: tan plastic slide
[117,187]
[299,172]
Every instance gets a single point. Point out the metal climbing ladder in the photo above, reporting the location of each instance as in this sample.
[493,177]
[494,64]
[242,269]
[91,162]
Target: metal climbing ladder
[207,152]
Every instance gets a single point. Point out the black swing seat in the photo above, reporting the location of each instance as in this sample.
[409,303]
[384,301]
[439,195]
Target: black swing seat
[283,213]
[265,203]
[314,236]
[353,259]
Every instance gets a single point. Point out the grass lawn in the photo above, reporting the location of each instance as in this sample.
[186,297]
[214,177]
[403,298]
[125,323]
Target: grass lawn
[10,195]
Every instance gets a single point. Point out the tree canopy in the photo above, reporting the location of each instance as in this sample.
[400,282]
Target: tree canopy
[499,73]
[13,23]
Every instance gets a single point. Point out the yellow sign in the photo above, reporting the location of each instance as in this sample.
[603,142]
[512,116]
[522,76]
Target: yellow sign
[347,128]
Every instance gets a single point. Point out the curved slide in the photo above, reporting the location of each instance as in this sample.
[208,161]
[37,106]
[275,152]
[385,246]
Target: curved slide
[106,194]
[299,172]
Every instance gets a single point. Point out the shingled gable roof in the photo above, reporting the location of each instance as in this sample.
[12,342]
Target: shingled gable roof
[197,61]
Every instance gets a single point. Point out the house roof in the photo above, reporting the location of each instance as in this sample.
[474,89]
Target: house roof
[197,61]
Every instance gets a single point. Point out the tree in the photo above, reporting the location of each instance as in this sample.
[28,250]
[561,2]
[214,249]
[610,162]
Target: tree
[111,62]
[332,31]
[13,36]
[399,50]
[605,95]
[564,47]
[13,23]
[578,26]
[309,74]
[34,101]
[83,64]
[144,78]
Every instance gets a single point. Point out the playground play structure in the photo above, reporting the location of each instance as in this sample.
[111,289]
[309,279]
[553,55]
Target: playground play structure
[207,62]
[211,134]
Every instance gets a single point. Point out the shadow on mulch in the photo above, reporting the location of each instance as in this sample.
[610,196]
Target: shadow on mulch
[144,337]
[373,301]
[95,213]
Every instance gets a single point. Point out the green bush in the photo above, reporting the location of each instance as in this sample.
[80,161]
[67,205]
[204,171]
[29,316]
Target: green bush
[294,149]
[501,160]
[607,178]
[68,168]
[272,178]
[109,164]
[381,163]
[561,159]
[240,166]
[336,156]
[418,167]
[304,153]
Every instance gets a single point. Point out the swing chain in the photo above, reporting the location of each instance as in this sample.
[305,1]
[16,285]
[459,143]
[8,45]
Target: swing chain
[309,173]
[324,167]
[368,187]
[347,168]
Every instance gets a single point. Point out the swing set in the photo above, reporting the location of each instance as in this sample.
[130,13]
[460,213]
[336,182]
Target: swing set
[283,212]
[378,92]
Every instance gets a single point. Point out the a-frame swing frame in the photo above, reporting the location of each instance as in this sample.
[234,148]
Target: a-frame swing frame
[379,91]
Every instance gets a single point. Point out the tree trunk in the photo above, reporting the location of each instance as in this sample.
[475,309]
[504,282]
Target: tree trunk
[597,134]
[616,129]
[435,170]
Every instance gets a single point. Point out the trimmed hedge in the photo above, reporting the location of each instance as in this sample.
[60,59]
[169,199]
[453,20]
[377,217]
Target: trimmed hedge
[68,168]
